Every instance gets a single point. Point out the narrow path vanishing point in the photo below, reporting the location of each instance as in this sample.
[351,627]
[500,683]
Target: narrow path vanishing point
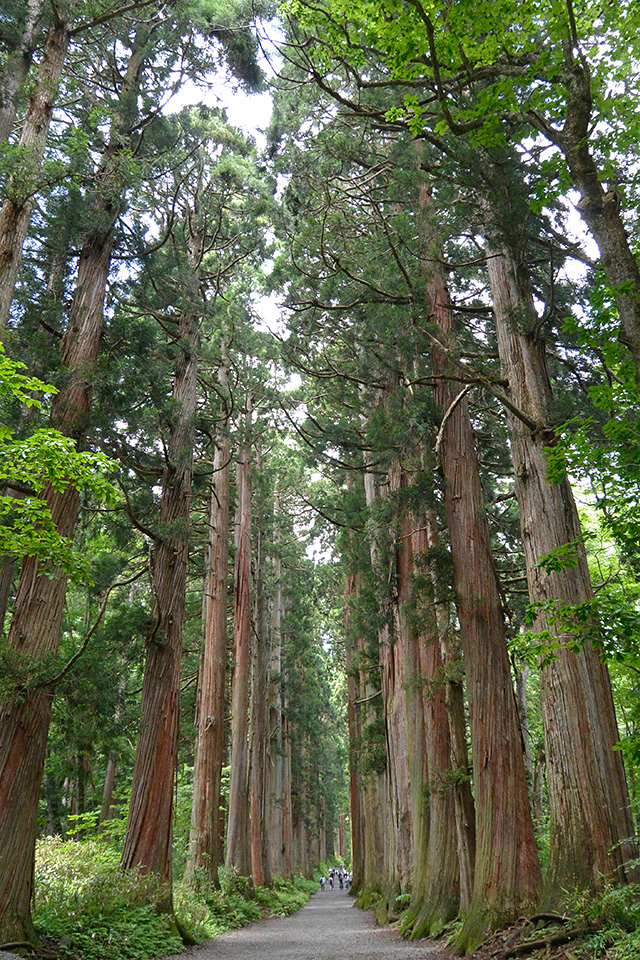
[329,926]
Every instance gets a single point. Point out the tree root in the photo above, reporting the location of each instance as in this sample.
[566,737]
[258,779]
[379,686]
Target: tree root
[551,940]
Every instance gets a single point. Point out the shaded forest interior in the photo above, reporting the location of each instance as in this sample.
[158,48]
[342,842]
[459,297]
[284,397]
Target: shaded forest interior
[320,507]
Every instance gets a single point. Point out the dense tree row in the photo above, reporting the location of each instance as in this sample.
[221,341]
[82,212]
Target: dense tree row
[362,521]
[136,237]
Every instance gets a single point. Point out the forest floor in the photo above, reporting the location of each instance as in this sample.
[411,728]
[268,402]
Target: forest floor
[329,926]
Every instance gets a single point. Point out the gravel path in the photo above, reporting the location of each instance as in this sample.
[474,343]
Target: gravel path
[328,927]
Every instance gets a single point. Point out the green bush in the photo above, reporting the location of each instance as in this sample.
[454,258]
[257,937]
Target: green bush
[616,915]
[94,911]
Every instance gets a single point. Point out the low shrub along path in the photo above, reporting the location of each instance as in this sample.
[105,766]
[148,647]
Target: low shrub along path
[329,926]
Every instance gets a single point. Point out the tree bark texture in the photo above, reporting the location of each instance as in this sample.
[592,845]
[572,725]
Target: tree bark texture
[454,702]
[287,813]
[507,871]
[16,210]
[276,745]
[435,885]
[396,806]
[378,841]
[238,856]
[356,799]
[148,840]
[204,837]
[590,817]
[260,865]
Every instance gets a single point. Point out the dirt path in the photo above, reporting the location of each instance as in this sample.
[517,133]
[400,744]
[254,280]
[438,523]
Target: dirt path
[329,927]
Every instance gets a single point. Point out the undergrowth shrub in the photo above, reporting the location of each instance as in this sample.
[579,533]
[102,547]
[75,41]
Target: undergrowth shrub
[616,914]
[94,911]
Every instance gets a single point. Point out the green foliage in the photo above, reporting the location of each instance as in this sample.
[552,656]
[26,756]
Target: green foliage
[94,911]
[46,457]
[616,915]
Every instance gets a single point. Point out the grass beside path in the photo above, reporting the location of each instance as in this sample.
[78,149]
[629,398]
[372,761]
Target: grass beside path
[87,909]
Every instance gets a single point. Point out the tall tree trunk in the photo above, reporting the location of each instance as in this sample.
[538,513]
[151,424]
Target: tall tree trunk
[435,886]
[287,812]
[148,840]
[507,871]
[16,67]
[204,837]
[238,855]
[394,777]
[261,867]
[37,616]
[16,210]
[276,746]
[454,702]
[356,799]
[590,816]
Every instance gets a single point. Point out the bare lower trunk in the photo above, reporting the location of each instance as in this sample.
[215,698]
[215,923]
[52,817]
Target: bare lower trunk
[396,852]
[276,745]
[204,837]
[590,817]
[25,727]
[435,888]
[454,702]
[287,813]
[107,791]
[261,868]
[507,871]
[238,854]
[355,734]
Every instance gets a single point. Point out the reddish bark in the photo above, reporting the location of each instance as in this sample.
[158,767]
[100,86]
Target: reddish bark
[355,733]
[260,864]
[204,838]
[590,818]
[435,885]
[507,871]
[454,702]
[148,840]
[238,854]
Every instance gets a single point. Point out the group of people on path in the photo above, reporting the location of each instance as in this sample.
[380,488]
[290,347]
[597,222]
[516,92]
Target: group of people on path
[339,875]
